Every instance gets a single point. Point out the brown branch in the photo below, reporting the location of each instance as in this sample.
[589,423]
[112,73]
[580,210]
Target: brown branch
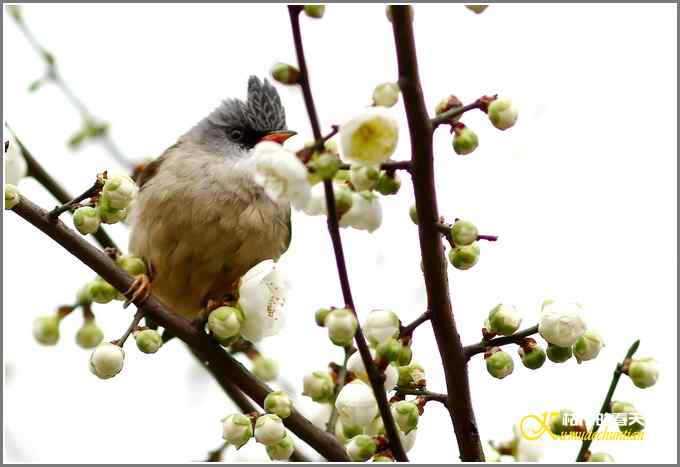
[37,171]
[94,190]
[409,328]
[516,338]
[374,376]
[426,395]
[434,263]
[447,116]
[224,368]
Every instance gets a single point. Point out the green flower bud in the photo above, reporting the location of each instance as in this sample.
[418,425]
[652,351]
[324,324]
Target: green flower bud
[86,220]
[320,316]
[315,10]
[279,403]
[319,386]
[119,191]
[342,325]
[324,165]
[443,106]
[643,372]
[265,368]
[101,291]
[413,214]
[106,360]
[89,335]
[600,457]
[502,113]
[533,359]
[499,363]
[282,450]
[558,354]
[285,74]
[405,415]
[588,346]
[503,320]
[225,322]
[386,94]
[382,458]
[132,265]
[364,177]
[411,375]
[46,329]
[465,141]
[560,423]
[464,257]
[148,341]
[343,199]
[388,184]
[463,232]
[269,429]
[108,214]
[361,448]
[237,429]
[12,196]
[83,297]
[346,432]
[405,355]
[389,349]
[627,417]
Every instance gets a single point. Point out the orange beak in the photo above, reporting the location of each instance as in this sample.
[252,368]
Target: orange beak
[278,136]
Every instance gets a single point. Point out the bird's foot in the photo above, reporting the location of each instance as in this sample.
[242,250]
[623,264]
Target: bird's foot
[139,291]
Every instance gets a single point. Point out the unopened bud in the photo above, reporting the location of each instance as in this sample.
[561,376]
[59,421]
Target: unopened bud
[561,323]
[411,375]
[237,429]
[361,448]
[463,232]
[405,415]
[344,199]
[386,94]
[558,354]
[588,346]
[388,184]
[413,214]
[443,106]
[643,372]
[86,220]
[319,386]
[465,141]
[148,341]
[364,177]
[12,196]
[405,355]
[381,325]
[225,322]
[315,10]
[109,214]
[320,316]
[389,349]
[464,257]
[282,450]
[324,165]
[502,113]
[120,191]
[504,319]
[89,335]
[560,423]
[627,417]
[106,360]
[342,325]
[499,363]
[132,264]
[101,291]
[46,329]
[269,429]
[265,368]
[532,358]
[279,403]
[285,74]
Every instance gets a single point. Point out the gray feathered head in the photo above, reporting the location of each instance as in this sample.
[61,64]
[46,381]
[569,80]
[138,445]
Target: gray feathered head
[244,124]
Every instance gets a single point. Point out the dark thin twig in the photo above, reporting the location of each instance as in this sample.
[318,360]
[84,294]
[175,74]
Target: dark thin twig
[94,190]
[374,376]
[583,453]
[133,325]
[221,365]
[515,338]
[389,165]
[450,347]
[427,395]
[409,328]
[447,116]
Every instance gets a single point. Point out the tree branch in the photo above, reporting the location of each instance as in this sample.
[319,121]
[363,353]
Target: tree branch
[515,338]
[409,328]
[374,376]
[427,395]
[434,263]
[226,370]
[583,453]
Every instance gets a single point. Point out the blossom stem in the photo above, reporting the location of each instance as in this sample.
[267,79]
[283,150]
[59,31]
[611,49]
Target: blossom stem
[94,190]
[584,453]
[447,116]
[375,377]
[450,347]
[54,76]
[133,325]
[427,395]
[516,338]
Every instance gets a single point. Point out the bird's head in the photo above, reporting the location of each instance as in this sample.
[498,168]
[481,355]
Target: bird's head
[236,126]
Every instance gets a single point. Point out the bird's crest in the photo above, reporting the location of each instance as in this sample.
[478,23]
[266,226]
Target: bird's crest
[262,110]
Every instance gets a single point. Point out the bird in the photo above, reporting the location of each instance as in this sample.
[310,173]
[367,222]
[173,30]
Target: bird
[200,221]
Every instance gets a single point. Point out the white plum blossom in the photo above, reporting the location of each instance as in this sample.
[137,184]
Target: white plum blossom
[561,323]
[369,138]
[356,365]
[643,372]
[237,429]
[356,404]
[262,296]
[502,113]
[120,191]
[106,360]
[15,164]
[386,94]
[365,213]
[281,174]
[380,325]
[269,429]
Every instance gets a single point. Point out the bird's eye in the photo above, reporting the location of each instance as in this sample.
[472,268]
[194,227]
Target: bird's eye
[235,134]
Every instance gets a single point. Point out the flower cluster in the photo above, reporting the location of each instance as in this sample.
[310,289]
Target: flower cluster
[267,429]
[110,206]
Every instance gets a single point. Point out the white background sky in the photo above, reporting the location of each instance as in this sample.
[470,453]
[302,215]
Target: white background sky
[582,193]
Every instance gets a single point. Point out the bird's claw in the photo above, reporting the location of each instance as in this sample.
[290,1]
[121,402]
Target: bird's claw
[140,290]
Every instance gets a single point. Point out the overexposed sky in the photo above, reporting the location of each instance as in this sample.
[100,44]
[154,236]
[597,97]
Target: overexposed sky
[582,192]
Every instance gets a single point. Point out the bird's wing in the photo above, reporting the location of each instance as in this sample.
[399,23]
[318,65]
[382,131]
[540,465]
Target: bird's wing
[147,171]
